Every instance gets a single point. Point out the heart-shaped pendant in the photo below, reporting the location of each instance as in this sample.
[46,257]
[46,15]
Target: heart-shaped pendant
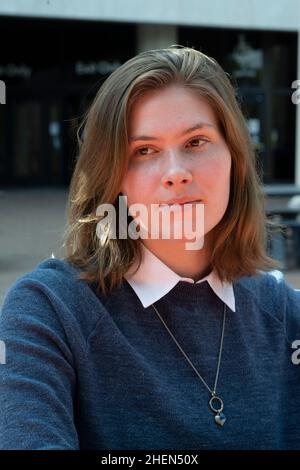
[220,419]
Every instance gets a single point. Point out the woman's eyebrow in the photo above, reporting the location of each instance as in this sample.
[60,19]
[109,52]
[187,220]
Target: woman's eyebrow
[199,125]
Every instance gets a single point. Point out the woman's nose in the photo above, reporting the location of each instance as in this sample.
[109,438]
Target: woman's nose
[176,174]
[176,178]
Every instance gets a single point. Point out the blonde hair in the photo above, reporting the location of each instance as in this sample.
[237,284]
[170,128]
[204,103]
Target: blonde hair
[241,235]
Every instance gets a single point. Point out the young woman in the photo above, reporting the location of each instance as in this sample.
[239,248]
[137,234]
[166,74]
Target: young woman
[142,342]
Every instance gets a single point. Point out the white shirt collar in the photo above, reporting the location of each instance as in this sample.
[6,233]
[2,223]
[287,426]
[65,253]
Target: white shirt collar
[154,279]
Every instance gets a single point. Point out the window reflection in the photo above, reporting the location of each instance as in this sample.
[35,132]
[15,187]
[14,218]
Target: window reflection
[246,62]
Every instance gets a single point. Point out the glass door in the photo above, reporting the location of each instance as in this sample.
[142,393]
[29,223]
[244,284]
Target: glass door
[27,149]
[36,141]
[254,109]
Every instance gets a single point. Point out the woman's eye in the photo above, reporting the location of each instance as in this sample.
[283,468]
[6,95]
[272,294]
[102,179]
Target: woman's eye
[198,140]
[144,151]
[140,151]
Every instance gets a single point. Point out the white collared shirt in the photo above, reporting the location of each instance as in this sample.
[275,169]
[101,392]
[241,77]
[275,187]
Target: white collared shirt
[154,279]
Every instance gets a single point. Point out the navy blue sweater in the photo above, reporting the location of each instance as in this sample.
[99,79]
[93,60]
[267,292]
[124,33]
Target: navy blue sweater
[84,372]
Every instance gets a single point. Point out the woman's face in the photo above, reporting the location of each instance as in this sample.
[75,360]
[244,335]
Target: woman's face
[176,150]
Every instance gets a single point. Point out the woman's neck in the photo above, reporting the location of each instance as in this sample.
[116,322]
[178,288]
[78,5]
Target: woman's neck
[194,264]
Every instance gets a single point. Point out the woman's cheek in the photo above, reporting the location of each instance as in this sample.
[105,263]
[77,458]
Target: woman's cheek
[216,169]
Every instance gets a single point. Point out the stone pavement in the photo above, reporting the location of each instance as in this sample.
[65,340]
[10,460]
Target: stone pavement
[32,222]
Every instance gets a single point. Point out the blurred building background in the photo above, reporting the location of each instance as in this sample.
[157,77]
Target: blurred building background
[55,54]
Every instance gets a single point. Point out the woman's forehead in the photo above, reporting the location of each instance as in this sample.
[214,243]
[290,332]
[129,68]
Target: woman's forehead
[169,110]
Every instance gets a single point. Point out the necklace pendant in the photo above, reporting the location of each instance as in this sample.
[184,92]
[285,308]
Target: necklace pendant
[220,419]
[219,416]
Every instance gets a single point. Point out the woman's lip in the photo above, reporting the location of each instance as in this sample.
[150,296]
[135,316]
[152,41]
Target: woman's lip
[180,203]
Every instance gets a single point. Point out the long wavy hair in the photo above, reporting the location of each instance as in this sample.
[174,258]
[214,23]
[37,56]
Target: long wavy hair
[240,237]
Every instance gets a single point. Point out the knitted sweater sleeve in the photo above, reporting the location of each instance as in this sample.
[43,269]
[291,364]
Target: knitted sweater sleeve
[37,374]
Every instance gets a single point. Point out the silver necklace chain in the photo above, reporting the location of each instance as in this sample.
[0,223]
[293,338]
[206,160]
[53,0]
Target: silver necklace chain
[219,415]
